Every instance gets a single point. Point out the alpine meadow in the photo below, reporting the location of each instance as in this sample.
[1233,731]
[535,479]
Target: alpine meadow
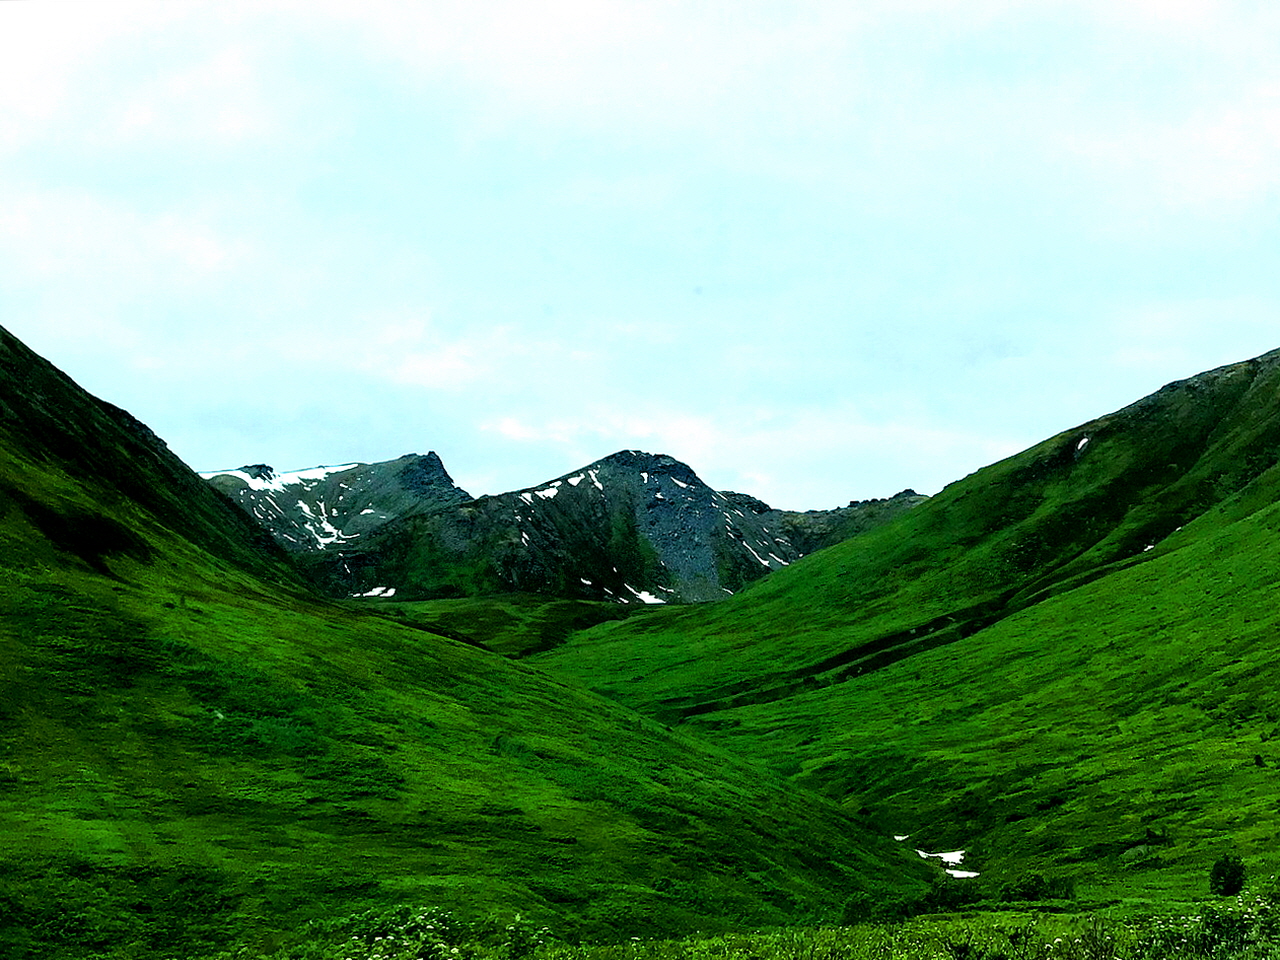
[355,712]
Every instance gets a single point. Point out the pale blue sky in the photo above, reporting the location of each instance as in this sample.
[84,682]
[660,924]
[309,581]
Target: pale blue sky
[821,251]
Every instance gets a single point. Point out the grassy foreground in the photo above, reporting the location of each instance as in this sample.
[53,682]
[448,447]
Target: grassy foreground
[1245,927]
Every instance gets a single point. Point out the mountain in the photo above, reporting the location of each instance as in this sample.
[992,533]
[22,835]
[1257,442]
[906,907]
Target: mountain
[198,753]
[315,509]
[1062,662]
[633,527]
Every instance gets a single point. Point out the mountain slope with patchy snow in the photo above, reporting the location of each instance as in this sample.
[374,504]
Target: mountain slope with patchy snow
[633,527]
[325,507]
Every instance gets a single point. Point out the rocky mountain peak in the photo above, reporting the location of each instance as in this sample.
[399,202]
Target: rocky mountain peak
[326,507]
[425,474]
[631,527]
[650,464]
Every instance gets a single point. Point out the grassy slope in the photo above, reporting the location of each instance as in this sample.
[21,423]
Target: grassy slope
[192,756]
[515,624]
[1110,732]
[1065,689]
[985,547]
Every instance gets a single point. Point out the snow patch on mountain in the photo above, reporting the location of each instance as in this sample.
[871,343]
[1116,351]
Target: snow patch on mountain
[644,595]
[264,478]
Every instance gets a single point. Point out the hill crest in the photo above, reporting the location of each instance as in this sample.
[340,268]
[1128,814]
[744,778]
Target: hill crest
[631,527]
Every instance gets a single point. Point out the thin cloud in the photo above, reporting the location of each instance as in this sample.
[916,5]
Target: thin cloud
[831,249]
[218,101]
[62,235]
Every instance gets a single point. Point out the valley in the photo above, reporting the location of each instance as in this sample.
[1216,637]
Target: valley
[235,706]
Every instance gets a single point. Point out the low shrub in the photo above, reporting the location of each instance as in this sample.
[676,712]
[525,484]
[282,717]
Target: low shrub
[1036,886]
[1226,876]
[419,933]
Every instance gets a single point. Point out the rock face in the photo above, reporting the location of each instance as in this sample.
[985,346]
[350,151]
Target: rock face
[633,527]
[323,507]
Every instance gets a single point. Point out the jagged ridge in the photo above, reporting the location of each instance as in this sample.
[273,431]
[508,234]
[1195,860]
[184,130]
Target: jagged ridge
[633,527]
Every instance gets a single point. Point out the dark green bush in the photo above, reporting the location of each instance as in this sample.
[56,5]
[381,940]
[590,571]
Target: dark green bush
[877,908]
[859,908]
[947,894]
[1226,876]
[1036,886]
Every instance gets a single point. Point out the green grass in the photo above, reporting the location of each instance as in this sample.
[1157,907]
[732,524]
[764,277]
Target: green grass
[1007,668]
[514,625]
[1246,928]
[193,758]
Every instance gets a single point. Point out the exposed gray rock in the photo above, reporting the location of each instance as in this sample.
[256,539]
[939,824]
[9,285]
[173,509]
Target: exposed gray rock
[633,527]
[316,509]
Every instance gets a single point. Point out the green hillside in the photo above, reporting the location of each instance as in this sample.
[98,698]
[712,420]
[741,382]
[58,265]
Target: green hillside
[1060,663]
[1063,664]
[1124,732]
[196,752]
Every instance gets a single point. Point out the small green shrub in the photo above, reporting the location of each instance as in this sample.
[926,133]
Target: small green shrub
[879,906]
[522,938]
[1036,886]
[947,894]
[1226,876]
[859,908]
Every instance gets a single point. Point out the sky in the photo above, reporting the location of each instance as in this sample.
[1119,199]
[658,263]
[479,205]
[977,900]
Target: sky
[820,251]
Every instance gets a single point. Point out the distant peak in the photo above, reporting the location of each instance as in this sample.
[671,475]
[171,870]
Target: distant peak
[426,473]
[259,471]
[907,494]
[640,458]
[657,464]
[632,458]
[430,456]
